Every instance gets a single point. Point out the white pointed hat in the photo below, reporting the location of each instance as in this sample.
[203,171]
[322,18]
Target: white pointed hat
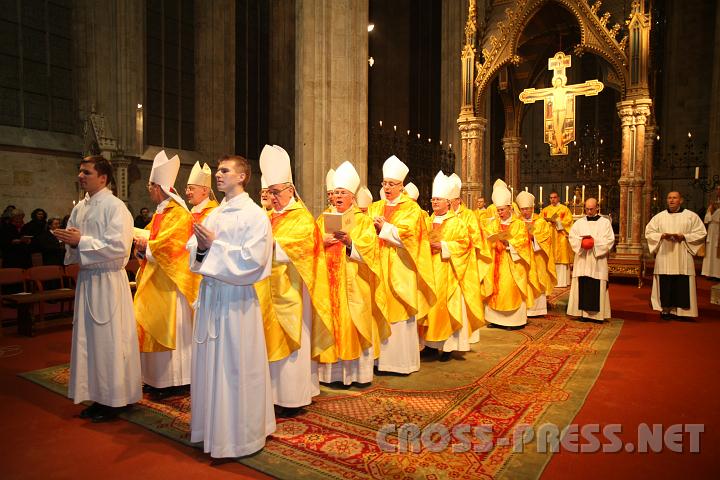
[363,197]
[200,175]
[275,165]
[442,186]
[501,196]
[164,173]
[330,180]
[346,177]
[525,199]
[263,183]
[395,169]
[499,183]
[411,190]
[456,186]
[382,194]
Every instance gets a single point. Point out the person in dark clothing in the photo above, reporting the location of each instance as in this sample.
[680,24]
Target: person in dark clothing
[143,219]
[37,223]
[52,249]
[15,247]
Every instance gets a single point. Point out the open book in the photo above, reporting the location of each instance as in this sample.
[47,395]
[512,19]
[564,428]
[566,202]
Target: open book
[499,236]
[337,222]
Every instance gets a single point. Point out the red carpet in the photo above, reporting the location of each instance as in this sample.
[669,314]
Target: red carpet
[657,372]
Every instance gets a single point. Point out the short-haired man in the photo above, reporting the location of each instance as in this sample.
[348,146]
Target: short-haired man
[674,236]
[232,405]
[104,360]
[591,238]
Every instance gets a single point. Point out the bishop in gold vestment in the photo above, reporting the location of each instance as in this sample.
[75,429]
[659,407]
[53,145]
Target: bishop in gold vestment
[560,219]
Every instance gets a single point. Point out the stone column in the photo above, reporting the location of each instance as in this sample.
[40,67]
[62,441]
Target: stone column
[511,147]
[650,134]
[331,92]
[214,78]
[121,164]
[633,115]
[714,123]
[472,159]
[454,13]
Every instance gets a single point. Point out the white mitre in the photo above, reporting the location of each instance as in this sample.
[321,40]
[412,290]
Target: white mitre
[412,191]
[382,194]
[164,173]
[525,200]
[363,197]
[395,169]
[200,175]
[501,196]
[275,165]
[263,183]
[456,186]
[347,177]
[330,180]
[442,186]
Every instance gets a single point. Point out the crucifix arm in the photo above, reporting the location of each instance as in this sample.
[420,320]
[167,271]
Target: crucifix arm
[532,95]
[589,88]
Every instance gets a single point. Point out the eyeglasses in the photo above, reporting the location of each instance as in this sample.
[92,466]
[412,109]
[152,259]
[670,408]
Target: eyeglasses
[275,193]
[390,184]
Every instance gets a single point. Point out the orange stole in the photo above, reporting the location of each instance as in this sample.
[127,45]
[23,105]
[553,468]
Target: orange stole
[155,300]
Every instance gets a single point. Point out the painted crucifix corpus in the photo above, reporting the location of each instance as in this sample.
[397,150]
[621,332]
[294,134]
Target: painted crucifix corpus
[559,103]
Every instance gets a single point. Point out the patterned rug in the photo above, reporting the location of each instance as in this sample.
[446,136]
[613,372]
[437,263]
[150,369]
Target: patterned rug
[511,378]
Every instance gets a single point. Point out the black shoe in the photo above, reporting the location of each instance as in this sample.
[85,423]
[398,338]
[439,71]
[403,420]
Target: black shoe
[108,414]
[93,409]
[516,327]
[167,392]
[445,356]
[287,412]
[666,316]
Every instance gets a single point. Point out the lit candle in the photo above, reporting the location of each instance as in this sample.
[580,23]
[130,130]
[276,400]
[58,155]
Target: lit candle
[512,192]
[73,203]
[526,188]
[395,128]
[380,123]
[567,194]
[599,194]
[583,194]
[540,194]
[697,173]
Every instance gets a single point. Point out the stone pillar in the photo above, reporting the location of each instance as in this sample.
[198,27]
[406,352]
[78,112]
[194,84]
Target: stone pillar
[511,147]
[472,159]
[453,18]
[650,134]
[215,78]
[331,92]
[633,115]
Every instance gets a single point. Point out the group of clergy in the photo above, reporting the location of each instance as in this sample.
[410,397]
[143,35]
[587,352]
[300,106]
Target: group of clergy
[254,307]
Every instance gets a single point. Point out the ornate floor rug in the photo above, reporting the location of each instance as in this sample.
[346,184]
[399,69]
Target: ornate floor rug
[459,419]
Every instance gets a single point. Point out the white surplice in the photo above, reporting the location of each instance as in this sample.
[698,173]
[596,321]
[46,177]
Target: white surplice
[675,258]
[400,352]
[711,262]
[232,405]
[105,357]
[171,368]
[591,263]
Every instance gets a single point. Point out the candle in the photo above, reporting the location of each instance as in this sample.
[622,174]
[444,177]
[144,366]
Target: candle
[583,194]
[697,173]
[512,192]
[540,194]
[599,194]
[567,194]
[380,123]
[526,188]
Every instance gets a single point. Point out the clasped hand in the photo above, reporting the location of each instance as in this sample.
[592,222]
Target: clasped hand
[205,237]
[70,235]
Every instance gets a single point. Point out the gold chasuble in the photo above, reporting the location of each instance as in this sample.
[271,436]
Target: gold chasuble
[455,281]
[561,245]
[198,217]
[479,242]
[481,215]
[357,293]
[281,294]
[157,282]
[508,279]
[544,258]
[408,271]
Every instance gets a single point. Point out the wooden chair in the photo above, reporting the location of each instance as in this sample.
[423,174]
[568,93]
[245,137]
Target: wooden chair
[44,278]
[12,280]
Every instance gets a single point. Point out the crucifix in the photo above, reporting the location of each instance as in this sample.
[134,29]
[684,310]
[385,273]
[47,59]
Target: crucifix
[559,103]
